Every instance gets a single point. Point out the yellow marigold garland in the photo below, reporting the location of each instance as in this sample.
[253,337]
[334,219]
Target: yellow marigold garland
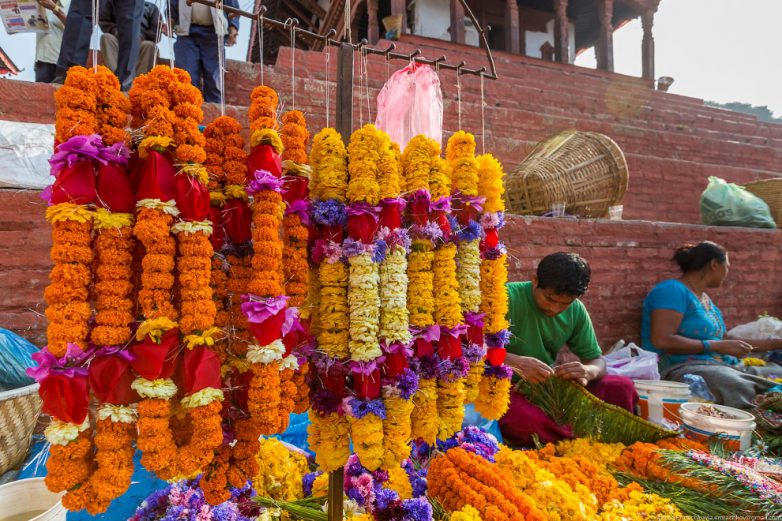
[280,471]
[328,436]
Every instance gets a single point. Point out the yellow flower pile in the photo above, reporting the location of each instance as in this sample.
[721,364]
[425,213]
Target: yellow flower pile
[280,471]
[640,506]
[328,438]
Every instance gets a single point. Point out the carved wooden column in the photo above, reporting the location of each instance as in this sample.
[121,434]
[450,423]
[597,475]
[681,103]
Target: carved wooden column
[457,22]
[400,7]
[605,39]
[512,31]
[373,30]
[647,20]
[561,38]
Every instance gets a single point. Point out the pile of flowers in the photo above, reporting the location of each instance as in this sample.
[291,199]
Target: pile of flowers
[185,500]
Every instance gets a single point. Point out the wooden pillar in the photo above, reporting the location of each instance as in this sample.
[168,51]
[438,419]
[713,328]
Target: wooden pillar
[400,7]
[647,47]
[457,22]
[605,40]
[373,31]
[512,30]
[561,37]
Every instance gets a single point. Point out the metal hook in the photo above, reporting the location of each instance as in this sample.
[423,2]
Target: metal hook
[459,67]
[414,54]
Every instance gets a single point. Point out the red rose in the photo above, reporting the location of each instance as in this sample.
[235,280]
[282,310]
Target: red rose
[65,397]
[110,378]
[201,369]
[156,178]
[153,360]
[236,219]
[75,184]
[192,198]
[263,157]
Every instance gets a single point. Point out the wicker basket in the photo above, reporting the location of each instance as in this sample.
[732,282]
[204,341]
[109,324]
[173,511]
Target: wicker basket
[585,170]
[19,410]
[770,190]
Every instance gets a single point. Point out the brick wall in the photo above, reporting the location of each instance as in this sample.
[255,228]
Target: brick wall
[627,259]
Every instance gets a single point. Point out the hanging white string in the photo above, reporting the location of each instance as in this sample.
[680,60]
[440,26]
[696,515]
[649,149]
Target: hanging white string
[293,66]
[94,33]
[221,59]
[459,95]
[328,85]
[158,31]
[366,85]
[483,118]
[388,68]
[360,105]
[347,21]
[171,57]
[260,45]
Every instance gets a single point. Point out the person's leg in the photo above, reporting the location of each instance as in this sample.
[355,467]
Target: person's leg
[210,63]
[146,57]
[109,47]
[524,420]
[128,13]
[186,57]
[76,37]
[616,390]
[45,72]
[729,386]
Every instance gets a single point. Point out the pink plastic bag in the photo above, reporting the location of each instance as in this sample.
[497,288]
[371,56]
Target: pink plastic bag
[411,103]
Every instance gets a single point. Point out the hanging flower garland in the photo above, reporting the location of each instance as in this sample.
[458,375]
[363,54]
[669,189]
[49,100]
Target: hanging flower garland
[416,166]
[296,173]
[399,382]
[494,391]
[328,433]
[365,409]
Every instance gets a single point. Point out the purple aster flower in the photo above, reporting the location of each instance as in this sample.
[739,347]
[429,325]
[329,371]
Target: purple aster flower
[385,498]
[308,480]
[325,402]
[351,247]
[225,512]
[329,213]
[451,370]
[493,220]
[430,231]
[494,253]
[380,476]
[417,478]
[473,352]
[354,493]
[417,509]
[359,408]
[498,339]
[379,253]
[471,232]
[353,467]
[501,371]
[407,384]
[425,367]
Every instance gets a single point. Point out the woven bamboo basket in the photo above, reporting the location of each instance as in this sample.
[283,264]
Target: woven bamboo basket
[770,190]
[19,410]
[585,170]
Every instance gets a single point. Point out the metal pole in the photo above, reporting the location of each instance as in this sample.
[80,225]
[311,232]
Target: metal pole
[345,128]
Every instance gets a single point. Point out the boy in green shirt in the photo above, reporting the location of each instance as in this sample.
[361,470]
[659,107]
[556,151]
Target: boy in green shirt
[546,316]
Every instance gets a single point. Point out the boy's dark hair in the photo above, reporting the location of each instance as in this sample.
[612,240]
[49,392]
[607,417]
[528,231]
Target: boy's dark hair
[565,273]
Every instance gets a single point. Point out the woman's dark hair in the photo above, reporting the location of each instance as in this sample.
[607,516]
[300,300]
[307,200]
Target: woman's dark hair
[692,257]
[565,273]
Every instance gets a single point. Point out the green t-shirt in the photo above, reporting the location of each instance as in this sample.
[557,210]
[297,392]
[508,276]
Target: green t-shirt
[537,335]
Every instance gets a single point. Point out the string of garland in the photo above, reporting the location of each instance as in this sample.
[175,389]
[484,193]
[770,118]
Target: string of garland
[294,136]
[416,166]
[493,396]
[328,432]
[67,296]
[365,409]
[399,382]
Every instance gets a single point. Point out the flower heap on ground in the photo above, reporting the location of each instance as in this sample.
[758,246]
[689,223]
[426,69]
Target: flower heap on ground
[493,392]
[296,173]
[265,304]
[88,166]
[399,382]
[467,205]
[173,184]
[417,163]
[364,407]
[328,430]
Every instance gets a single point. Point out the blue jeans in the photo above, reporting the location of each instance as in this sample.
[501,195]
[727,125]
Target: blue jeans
[197,53]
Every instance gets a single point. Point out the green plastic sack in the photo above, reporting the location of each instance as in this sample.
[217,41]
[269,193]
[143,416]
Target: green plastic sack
[727,204]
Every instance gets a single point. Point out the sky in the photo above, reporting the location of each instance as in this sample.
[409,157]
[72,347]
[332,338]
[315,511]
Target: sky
[718,50]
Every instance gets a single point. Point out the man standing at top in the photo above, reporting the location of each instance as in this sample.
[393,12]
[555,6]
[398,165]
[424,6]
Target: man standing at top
[149,34]
[78,33]
[546,317]
[198,29]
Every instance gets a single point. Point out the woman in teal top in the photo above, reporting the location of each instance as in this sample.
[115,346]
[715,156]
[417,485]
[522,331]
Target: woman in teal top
[683,325]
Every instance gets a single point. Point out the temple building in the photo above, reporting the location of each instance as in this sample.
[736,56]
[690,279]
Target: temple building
[553,30]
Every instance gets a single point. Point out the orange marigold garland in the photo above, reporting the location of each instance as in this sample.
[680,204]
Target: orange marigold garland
[494,390]
[294,135]
[76,105]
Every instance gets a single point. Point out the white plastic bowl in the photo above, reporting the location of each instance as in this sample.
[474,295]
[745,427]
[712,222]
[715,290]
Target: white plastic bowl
[736,432]
[30,500]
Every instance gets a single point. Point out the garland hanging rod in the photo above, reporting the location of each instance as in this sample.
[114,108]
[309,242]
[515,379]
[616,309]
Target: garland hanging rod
[363,46]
